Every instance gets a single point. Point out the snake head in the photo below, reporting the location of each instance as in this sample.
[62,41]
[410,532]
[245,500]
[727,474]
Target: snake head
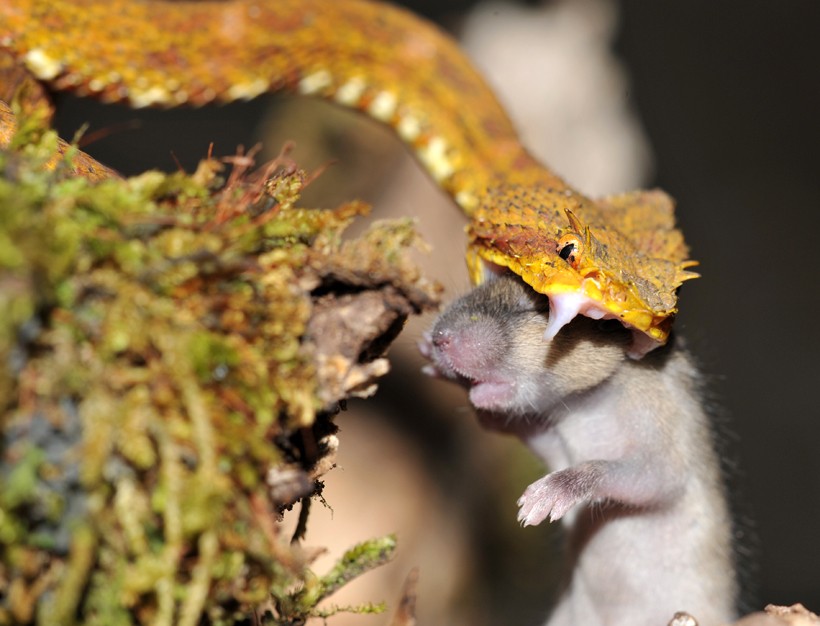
[616,258]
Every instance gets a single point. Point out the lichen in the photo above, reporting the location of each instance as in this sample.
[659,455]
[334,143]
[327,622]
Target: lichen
[160,398]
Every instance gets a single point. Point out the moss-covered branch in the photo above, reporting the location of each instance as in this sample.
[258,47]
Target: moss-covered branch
[172,350]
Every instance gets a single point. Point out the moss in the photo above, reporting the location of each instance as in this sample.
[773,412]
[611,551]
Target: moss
[156,372]
[355,562]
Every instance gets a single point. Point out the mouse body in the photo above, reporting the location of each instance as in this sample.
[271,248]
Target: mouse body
[634,475]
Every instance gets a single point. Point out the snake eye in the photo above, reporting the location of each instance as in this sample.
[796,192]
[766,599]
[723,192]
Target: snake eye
[570,247]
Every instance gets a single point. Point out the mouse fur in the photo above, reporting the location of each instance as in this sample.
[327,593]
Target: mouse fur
[634,476]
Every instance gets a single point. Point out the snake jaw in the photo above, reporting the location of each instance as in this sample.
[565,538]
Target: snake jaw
[588,291]
[568,301]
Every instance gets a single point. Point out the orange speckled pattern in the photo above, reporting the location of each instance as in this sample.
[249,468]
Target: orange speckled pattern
[17,86]
[400,70]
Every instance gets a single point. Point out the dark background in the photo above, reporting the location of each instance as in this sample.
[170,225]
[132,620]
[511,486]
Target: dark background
[729,95]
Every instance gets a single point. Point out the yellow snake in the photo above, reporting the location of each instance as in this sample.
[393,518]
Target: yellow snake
[619,257]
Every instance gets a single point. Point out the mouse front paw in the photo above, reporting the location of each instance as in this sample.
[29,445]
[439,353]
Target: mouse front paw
[555,494]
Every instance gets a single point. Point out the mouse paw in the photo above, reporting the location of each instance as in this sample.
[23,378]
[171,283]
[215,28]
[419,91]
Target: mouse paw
[555,494]
[542,499]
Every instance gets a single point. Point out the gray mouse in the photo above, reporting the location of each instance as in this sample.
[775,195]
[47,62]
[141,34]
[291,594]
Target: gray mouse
[634,475]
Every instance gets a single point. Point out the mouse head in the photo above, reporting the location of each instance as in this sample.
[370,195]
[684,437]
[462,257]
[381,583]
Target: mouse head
[491,340]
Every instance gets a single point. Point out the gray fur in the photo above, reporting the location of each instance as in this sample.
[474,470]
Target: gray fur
[634,476]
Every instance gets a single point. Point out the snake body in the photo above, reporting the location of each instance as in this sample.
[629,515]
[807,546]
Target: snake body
[620,257]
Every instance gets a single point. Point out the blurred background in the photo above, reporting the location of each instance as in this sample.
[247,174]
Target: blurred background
[718,103]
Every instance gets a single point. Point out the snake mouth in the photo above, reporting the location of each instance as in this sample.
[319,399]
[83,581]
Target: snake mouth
[565,306]
[566,301]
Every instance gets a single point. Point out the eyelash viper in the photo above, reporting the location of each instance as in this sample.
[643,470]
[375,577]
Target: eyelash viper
[619,257]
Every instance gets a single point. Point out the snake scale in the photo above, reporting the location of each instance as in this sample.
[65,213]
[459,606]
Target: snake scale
[618,257]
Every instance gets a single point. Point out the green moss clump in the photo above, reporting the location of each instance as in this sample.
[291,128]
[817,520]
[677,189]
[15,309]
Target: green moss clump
[153,376]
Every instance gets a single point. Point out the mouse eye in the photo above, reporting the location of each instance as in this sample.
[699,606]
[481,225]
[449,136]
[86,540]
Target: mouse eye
[570,248]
